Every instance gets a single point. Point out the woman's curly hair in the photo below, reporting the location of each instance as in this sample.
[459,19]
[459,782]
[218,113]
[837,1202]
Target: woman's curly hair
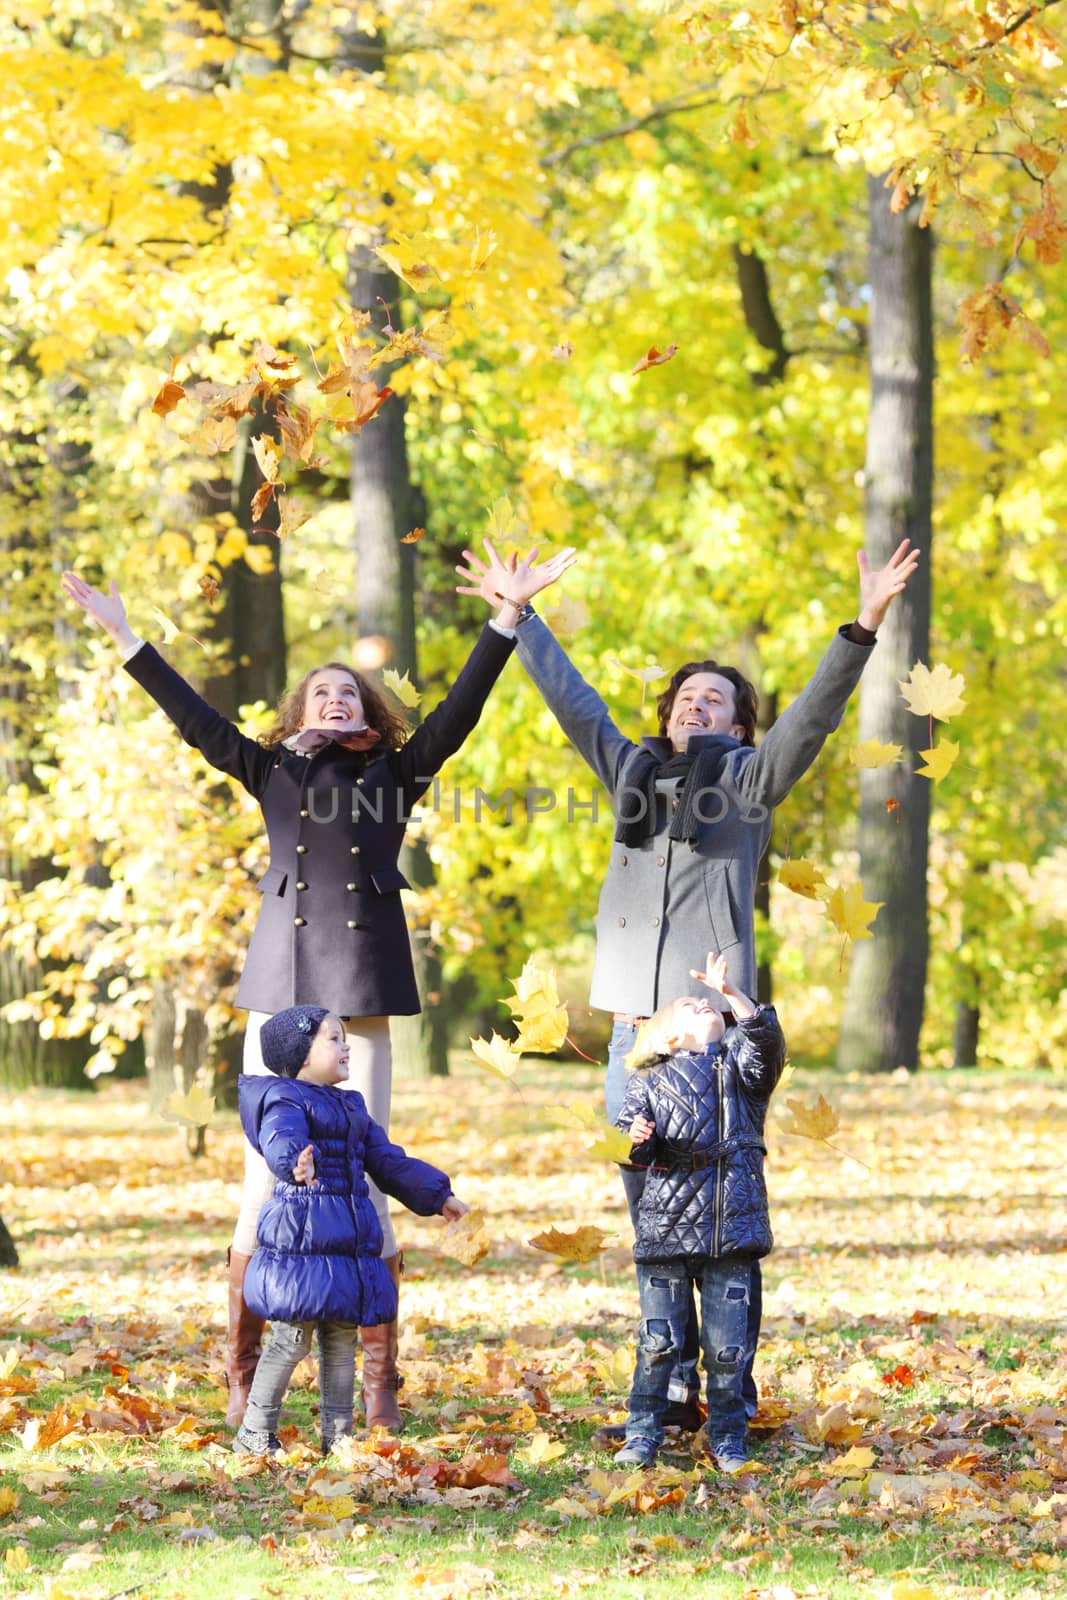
[290,711]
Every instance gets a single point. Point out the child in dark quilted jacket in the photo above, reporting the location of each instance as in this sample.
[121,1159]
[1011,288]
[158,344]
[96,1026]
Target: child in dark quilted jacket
[318,1263]
[694,1110]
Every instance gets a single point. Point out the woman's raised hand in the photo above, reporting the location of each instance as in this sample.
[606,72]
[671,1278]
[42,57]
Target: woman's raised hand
[106,610]
[511,581]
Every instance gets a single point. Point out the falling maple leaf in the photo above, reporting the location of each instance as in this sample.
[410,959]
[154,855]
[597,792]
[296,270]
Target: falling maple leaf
[501,519]
[803,878]
[194,1109]
[850,913]
[562,351]
[818,1120]
[402,687]
[298,429]
[171,630]
[367,400]
[496,1054]
[581,1245]
[577,1114]
[933,692]
[268,455]
[215,435]
[653,358]
[644,675]
[939,759]
[466,1239]
[170,395]
[291,515]
[892,806]
[209,587]
[412,272]
[542,1032]
[261,500]
[414,536]
[873,753]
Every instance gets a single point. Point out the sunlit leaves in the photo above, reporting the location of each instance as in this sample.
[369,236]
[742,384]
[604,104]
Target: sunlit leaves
[803,878]
[466,1239]
[817,1120]
[536,1009]
[872,753]
[612,1145]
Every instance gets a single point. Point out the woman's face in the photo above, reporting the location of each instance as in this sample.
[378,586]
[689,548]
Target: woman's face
[332,700]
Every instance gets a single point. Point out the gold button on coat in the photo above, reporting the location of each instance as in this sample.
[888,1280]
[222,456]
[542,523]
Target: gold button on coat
[301,849]
[353,924]
[298,922]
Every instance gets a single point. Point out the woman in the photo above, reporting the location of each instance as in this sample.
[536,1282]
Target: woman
[336,779]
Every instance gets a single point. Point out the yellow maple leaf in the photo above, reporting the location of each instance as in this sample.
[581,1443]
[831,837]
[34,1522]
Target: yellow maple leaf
[496,1054]
[8,1500]
[215,435]
[541,1448]
[576,1114]
[940,760]
[466,1240]
[644,675]
[906,1589]
[617,1370]
[815,1121]
[613,1145]
[535,986]
[850,913]
[804,878]
[402,262]
[402,687]
[291,515]
[855,1464]
[873,753]
[16,1558]
[195,1109]
[569,1507]
[542,1032]
[933,691]
[581,1245]
[268,454]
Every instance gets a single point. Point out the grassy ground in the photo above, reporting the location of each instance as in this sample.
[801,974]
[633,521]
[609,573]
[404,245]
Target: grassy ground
[911,1442]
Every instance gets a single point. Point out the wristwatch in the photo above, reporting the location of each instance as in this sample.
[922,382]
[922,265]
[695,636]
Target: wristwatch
[525,613]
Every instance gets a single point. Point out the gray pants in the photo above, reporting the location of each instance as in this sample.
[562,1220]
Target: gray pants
[370,1070]
[289,1343]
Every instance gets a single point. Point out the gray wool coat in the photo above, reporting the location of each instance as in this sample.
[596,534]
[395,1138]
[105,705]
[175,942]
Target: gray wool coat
[666,903]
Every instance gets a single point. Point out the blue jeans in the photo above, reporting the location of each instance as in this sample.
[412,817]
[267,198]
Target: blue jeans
[289,1343]
[666,1303]
[685,1380]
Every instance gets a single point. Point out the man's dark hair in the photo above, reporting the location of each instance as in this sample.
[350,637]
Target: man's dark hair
[746,700]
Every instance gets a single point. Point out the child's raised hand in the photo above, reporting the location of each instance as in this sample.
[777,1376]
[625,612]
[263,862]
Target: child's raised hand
[714,974]
[304,1171]
[454,1208]
[641,1130]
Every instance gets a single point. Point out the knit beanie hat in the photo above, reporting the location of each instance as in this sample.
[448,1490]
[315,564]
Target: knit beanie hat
[285,1038]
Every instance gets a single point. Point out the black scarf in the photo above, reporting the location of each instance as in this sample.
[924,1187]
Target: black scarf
[702,771]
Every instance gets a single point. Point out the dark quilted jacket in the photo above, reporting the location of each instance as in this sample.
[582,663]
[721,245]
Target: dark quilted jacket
[319,1252]
[712,1107]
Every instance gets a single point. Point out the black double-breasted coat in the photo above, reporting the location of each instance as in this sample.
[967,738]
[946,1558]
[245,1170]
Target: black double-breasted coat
[331,929]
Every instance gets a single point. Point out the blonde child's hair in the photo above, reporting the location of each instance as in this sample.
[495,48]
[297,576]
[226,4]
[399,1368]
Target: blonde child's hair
[651,1047]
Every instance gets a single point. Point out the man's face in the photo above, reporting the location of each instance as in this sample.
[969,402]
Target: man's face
[332,700]
[705,703]
[694,1025]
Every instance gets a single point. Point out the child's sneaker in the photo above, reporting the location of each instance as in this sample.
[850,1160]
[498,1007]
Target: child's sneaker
[729,1455]
[256,1442]
[636,1453]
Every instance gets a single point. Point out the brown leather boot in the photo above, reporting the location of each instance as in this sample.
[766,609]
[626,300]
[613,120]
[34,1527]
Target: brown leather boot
[381,1381]
[244,1341]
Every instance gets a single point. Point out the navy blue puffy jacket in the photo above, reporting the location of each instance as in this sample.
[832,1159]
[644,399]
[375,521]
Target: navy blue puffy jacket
[705,1194]
[319,1254]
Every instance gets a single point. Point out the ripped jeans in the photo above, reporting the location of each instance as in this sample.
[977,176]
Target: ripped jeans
[725,1288]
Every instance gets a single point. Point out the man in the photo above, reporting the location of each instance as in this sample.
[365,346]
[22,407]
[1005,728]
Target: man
[693,812]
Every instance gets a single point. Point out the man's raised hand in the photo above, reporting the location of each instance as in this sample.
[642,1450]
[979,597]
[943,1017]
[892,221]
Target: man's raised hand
[515,580]
[877,589]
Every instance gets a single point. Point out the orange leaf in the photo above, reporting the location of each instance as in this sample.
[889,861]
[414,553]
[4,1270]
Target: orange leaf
[367,401]
[291,516]
[654,358]
[262,499]
[168,397]
[209,587]
[414,536]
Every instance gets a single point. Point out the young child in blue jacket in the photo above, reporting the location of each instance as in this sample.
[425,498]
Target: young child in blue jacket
[318,1263]
[694,1110]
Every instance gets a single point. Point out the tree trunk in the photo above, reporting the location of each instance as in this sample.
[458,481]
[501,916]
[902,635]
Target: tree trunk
[965,1035]
[9,1256]
[383,499]
[884,1005]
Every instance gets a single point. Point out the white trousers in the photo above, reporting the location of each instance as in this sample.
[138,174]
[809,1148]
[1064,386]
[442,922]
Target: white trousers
[370,1070]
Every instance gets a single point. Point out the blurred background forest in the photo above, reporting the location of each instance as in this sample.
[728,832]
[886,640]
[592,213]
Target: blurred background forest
[847,218]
